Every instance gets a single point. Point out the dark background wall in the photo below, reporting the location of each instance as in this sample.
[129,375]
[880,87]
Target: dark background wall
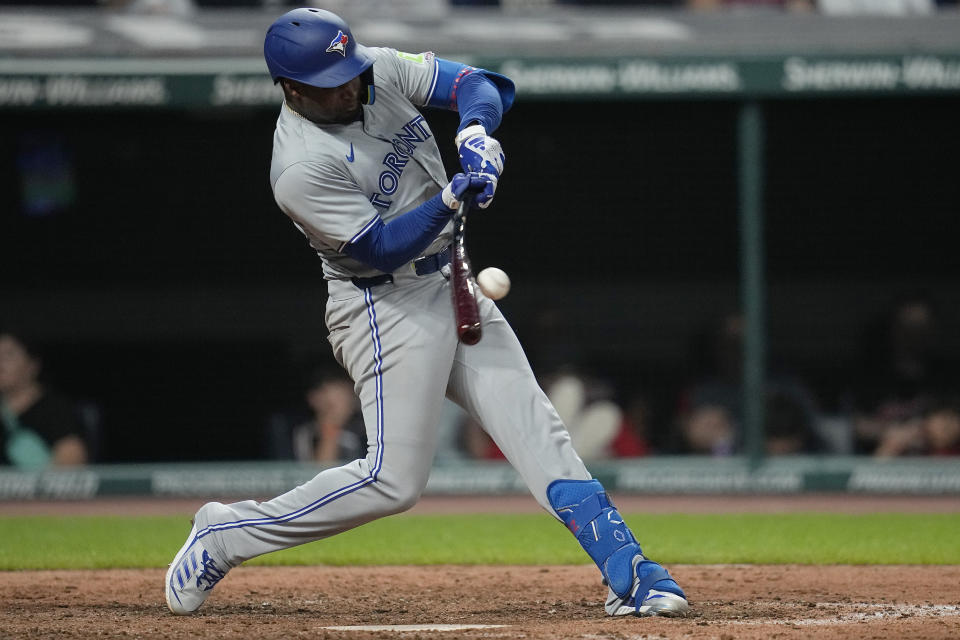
[163,282]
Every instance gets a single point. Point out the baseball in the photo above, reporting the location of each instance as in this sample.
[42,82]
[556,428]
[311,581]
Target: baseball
[494,283]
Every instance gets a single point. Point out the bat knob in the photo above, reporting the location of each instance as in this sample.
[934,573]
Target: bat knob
[470,334]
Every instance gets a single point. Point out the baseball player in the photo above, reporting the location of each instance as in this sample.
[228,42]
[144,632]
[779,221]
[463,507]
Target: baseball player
[357,169]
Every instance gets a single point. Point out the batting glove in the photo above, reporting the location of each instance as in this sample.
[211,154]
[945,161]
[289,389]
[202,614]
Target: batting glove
[482,154]
[460,184]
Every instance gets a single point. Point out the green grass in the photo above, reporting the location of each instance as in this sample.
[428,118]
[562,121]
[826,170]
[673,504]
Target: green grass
[807,538]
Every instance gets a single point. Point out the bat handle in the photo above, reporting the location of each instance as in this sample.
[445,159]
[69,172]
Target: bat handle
[466,202]
[469,329]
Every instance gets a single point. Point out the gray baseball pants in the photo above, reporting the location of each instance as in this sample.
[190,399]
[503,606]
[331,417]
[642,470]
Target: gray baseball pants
[398,342]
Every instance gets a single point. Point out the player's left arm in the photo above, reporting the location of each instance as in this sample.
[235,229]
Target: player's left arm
[480,113]
[481,98]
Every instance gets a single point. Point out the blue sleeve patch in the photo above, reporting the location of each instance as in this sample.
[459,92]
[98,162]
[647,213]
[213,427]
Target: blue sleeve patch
[448,76]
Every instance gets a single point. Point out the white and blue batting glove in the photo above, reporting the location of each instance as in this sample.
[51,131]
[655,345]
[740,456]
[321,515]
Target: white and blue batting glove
[480,153]
[479,183]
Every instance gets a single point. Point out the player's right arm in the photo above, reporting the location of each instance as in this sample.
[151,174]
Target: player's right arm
[388,246]
[334,209]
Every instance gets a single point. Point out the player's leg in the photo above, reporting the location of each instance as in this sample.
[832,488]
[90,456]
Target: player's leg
[400,369]
[494,383]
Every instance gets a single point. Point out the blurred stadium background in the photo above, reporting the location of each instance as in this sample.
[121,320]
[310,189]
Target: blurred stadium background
[791,162]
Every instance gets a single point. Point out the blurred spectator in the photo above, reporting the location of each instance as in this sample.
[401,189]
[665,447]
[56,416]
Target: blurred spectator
[708,429]
[936,433]
[711,410]
[941,428]
[789,421]
[328,428]
[40,427]
[632,438]
[901,379]
[585,406]
[477,443]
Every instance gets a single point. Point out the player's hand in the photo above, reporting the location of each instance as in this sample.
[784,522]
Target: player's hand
[482,154]
[479,183]
[479,152]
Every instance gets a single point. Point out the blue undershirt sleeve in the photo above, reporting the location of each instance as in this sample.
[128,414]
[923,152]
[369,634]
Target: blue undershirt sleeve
[477,94]
[388,246]
[478,99]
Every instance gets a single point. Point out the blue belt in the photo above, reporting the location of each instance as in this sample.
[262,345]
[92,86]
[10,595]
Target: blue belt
[424,266]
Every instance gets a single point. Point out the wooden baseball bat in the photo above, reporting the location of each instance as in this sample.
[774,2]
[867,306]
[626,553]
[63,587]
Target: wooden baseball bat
[463,289]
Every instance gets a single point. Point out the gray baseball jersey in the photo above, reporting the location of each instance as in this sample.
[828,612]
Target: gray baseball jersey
[334,180]
[397,340]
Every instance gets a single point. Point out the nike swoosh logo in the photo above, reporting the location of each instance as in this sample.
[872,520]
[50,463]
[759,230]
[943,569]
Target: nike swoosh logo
[350,157]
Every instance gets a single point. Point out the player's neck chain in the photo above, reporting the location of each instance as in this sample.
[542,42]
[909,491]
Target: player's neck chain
[359,117]
[296,113]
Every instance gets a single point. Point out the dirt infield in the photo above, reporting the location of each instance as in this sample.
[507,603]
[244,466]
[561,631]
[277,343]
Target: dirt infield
[536,603]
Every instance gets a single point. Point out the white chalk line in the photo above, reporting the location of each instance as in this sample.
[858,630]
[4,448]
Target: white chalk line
[415,627]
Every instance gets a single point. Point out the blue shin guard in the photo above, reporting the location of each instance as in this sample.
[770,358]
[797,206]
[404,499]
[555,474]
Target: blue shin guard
[594,521]
[600,529]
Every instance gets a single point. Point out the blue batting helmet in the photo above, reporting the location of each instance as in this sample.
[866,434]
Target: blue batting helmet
[315,47]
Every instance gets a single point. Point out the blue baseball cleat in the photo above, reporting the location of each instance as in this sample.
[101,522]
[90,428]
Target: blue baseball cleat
[654,593]
[191,576]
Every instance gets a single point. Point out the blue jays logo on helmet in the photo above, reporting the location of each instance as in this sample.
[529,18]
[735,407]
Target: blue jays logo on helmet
[299,44]
[339,44]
